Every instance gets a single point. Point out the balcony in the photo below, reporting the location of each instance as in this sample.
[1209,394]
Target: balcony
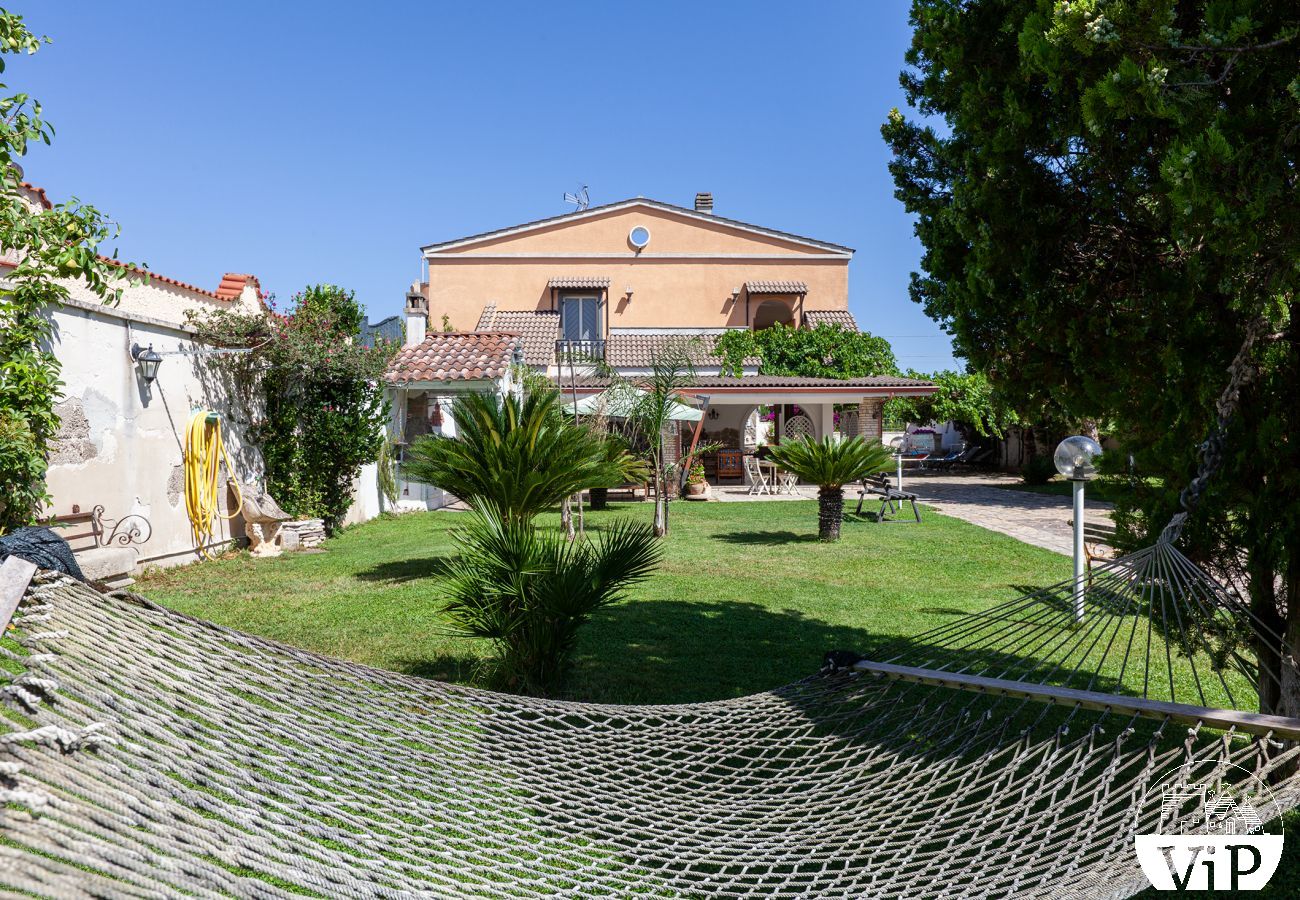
[580,352]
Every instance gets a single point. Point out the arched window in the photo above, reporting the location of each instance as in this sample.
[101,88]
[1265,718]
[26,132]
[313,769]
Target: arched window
[772,312]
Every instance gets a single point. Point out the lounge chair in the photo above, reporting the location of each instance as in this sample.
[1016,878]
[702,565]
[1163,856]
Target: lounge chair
[943,462]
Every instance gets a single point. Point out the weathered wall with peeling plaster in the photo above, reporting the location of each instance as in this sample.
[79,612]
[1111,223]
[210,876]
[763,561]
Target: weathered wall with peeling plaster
[121,442]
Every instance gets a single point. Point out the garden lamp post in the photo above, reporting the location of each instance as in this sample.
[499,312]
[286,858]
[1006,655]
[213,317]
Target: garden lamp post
[1076,458]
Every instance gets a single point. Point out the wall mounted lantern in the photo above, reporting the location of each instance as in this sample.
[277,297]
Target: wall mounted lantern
[147,360]
[713,414]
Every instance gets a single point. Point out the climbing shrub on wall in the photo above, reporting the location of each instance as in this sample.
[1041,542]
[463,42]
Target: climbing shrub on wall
[827,351]
[48,248]
[320,410]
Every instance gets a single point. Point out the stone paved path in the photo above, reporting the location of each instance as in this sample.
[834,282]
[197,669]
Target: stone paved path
[1038,519]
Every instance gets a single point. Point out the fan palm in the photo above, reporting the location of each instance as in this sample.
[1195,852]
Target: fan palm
[529,591]
[830,466]
[516,457]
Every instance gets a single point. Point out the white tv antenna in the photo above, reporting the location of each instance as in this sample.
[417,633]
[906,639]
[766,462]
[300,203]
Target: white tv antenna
[579,198]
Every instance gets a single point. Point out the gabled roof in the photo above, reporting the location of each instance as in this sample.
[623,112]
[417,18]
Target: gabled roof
[581,214]
[454,356]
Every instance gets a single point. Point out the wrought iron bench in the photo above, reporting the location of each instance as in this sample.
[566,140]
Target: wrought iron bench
[124,532]
[109,556]
[1097,535]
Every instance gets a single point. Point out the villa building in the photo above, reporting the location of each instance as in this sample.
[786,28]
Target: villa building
[605,288]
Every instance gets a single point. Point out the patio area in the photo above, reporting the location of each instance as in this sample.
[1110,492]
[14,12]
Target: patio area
[980,498]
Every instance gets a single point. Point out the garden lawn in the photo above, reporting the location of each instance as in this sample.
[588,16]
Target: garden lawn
[747,599]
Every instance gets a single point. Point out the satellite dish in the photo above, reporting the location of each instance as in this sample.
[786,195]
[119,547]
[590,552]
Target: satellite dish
[638,237]
[579,198]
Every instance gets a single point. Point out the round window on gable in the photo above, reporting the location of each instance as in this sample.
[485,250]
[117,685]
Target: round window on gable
[638,237]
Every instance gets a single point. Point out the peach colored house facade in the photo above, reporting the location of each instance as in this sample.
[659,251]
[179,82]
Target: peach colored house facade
[691,270]
[616,282]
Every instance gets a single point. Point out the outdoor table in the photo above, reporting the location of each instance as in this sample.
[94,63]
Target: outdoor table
[774,475]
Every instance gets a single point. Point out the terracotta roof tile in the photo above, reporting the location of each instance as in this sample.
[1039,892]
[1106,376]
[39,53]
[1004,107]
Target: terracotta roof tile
[776,287]
[538,329]
[485,318]
[579,281]
[233,284]
[814,317]
[185,285]
[454,356]
[637,351]
[39,192]
[778,382]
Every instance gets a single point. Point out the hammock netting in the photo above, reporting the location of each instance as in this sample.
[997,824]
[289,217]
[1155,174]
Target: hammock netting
[153,754]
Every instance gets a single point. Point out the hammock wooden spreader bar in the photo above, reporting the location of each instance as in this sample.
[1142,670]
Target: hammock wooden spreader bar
[1280,727]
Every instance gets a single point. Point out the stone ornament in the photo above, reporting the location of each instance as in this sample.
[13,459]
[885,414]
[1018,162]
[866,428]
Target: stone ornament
[262,520]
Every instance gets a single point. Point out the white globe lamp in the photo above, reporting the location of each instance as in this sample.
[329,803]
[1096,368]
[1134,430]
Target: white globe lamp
[1076,458]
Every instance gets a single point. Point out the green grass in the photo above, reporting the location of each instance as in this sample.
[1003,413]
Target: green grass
[747,599]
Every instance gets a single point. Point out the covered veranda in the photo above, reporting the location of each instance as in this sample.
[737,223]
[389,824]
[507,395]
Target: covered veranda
[739,416]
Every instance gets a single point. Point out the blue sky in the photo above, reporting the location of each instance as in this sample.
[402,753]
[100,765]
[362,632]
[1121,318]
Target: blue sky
[325,142]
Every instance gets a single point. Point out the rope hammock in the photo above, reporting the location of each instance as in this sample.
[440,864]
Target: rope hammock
[1013,753]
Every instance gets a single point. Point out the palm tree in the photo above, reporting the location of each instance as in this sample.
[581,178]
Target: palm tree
[529,591]
[830,466]
[651,406]
[516,457]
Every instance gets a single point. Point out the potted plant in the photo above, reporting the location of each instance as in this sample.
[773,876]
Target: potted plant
[697,488]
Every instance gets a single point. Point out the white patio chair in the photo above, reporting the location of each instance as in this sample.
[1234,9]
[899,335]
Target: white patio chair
[788,482]
[758,480]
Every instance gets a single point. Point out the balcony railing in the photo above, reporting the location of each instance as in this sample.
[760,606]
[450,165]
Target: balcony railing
[580,351]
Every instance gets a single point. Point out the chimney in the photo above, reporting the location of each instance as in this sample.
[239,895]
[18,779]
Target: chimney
[417,318]
[704,203]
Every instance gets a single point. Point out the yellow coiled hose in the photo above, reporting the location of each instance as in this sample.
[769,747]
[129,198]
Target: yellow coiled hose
[204,452]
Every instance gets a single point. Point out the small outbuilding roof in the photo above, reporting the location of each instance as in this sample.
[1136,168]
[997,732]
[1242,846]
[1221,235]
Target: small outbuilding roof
[455,356]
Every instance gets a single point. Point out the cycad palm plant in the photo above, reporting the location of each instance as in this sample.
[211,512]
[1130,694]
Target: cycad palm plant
[516,457]
[528,591]
[830,465]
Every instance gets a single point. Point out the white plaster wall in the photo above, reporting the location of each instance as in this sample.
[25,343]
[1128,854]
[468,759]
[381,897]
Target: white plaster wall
[366,504]
[410,492]
[126,454]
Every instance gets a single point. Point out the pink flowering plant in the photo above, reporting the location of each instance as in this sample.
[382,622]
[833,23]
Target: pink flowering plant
[312,392]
